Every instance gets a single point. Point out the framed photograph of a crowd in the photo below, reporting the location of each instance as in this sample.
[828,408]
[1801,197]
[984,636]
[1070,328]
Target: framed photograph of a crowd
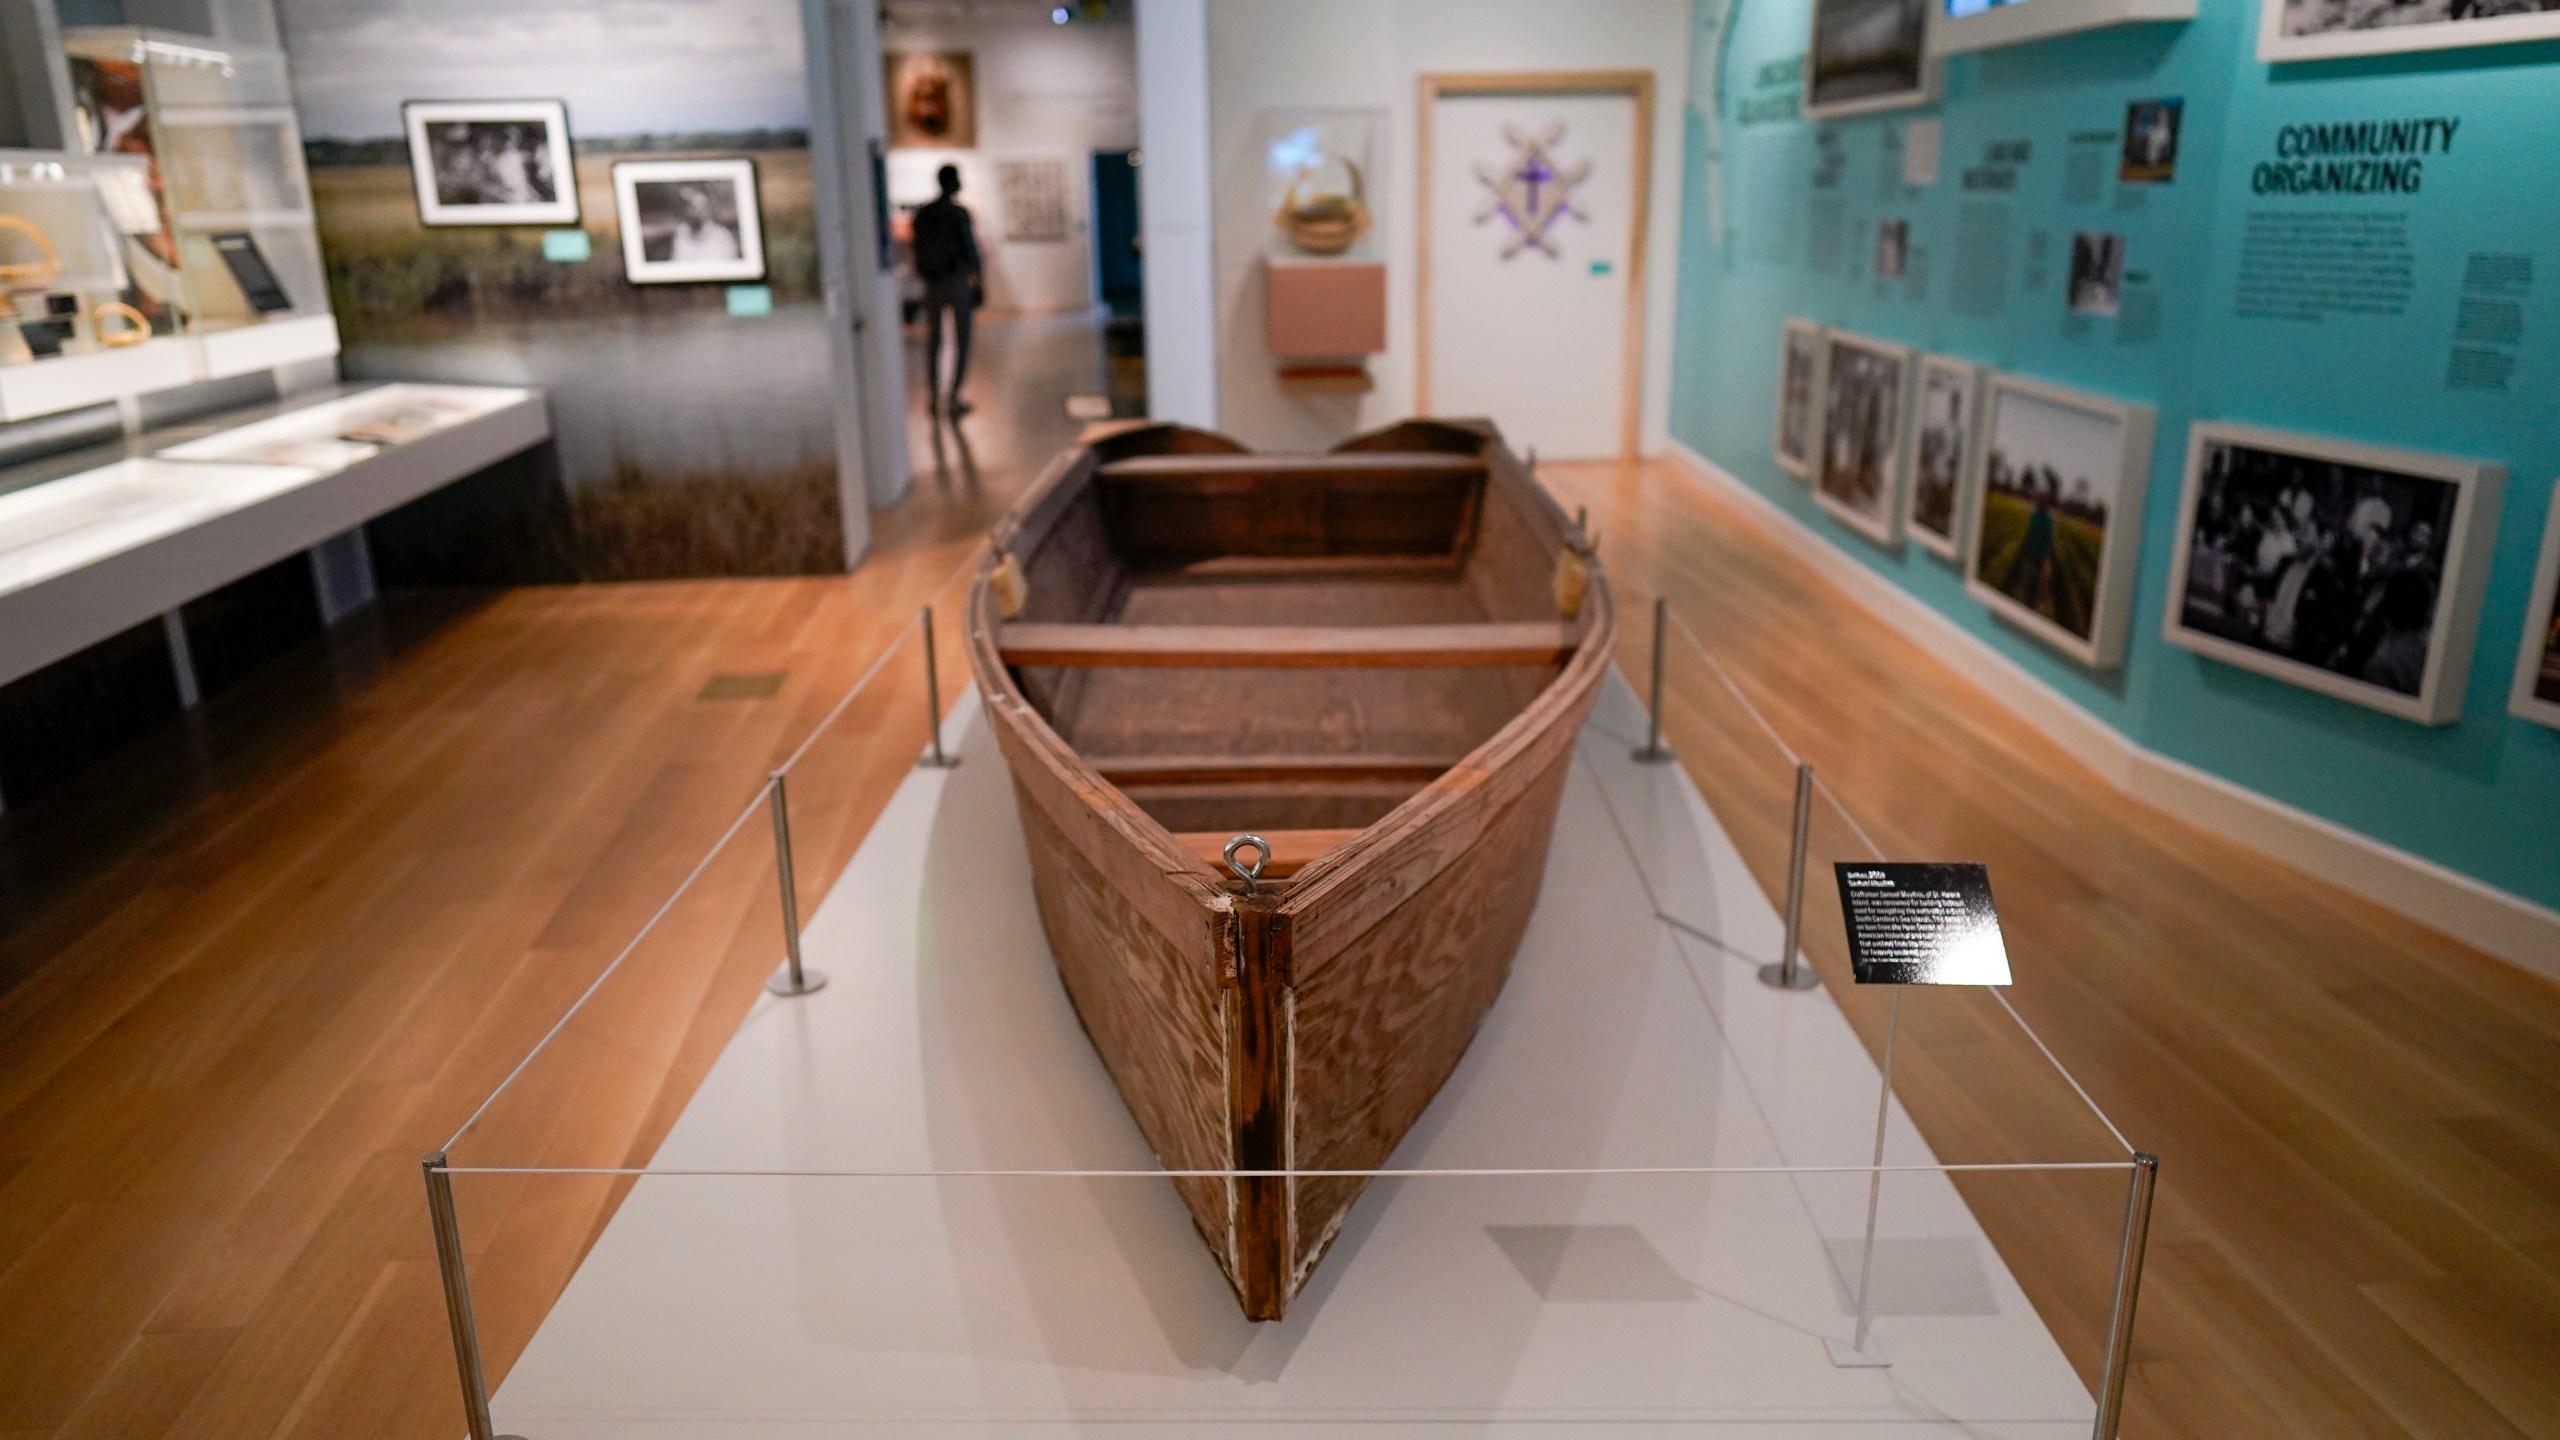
[492,162]
[2327,29]
[1799,397]
[2537,691]
[1946,421]
[1866,413]
[2347,569]
[2056,531]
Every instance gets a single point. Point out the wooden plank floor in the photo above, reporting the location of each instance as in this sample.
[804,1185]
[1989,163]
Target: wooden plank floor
[2358,1230]
[279,953]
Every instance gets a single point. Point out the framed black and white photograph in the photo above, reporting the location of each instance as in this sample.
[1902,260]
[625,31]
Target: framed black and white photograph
[2151,141]
[2327,29]
[492,162]
[2537,690]
[2057,525]
[1869,55]
[1799,396]
[1866,410]
[2348,569]
[2097,273]
[1965,25]
[1947,414]
[1893,249]
[688,221]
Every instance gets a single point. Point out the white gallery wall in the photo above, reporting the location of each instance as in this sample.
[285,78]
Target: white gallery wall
[1292,54]
[1044,92]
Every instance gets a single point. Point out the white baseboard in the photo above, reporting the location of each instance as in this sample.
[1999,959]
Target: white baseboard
[2509,926]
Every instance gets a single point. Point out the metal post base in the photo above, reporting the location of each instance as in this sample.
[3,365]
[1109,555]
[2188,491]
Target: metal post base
[1776,977]
[1849,1357]
[783,984]
[1651,754]
[947,762]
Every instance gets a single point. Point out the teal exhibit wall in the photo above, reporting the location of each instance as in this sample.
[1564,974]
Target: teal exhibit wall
[2419,310]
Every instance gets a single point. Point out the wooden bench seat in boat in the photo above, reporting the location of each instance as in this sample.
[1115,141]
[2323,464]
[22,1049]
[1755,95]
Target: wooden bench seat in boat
[1290,647]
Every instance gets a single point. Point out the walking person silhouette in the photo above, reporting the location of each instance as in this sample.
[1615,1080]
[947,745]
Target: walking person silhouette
[946,257]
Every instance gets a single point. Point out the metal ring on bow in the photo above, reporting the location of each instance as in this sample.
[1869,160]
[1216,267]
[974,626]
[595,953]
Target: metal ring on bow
[1251,875]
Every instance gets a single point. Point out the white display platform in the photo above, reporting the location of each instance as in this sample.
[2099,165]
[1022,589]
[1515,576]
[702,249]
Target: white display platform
[1623,1306]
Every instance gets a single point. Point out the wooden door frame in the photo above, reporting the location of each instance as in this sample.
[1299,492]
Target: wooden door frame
[1636,85]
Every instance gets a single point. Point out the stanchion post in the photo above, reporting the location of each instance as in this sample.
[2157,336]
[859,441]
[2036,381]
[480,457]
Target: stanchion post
[1863,1350]
[933,697]
[1653,753]
[457,1301]
[793,978]
[1790,972]
[2137,1240]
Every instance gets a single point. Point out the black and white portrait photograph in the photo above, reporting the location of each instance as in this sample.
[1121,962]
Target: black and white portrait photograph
[1866,405]
[1944,417]
[2326,29]
[492,162]
[1868,55]
[689,221]
[2097,273]
[2151,141]
[2331,565]
[1799,395]
[2537,689]
[1893,249]
[2057,518]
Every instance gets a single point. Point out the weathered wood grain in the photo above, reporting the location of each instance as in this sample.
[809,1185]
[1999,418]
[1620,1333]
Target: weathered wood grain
[1289,647]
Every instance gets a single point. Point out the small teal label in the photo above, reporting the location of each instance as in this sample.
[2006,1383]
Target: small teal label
[567,247]
[750,302]
[1601,267]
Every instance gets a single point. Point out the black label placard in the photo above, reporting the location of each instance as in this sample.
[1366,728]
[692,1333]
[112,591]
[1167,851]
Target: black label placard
[1919,924]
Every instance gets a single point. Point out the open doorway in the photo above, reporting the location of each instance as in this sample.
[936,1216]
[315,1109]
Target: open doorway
[1010,175]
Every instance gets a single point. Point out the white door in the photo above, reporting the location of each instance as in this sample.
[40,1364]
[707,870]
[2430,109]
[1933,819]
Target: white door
[1531,209]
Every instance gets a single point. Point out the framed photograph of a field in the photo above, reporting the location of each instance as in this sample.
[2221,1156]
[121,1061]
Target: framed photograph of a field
[2343,568]
[1799,397]
[2537,692]
[1866,414]
[2327,29]
[1946,424]
[2057,523]
[1869,55]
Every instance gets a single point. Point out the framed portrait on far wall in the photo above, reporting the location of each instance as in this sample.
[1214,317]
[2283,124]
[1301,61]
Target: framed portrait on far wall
[1866,411]
[492,162]
[1946,417]
[1869,55]
[1799,396]
[2348,569]
[2057,524]
[2327,29]
[2537,692]
[688,221]
[933,99]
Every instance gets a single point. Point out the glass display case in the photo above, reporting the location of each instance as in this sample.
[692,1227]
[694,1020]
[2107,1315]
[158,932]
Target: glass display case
[64,287]
[234,260]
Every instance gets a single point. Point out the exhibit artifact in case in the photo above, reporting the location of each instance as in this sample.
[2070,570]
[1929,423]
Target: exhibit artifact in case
[1289,734]
[214,222]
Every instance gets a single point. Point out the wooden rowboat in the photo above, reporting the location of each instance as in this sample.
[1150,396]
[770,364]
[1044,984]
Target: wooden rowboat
[1376,660]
